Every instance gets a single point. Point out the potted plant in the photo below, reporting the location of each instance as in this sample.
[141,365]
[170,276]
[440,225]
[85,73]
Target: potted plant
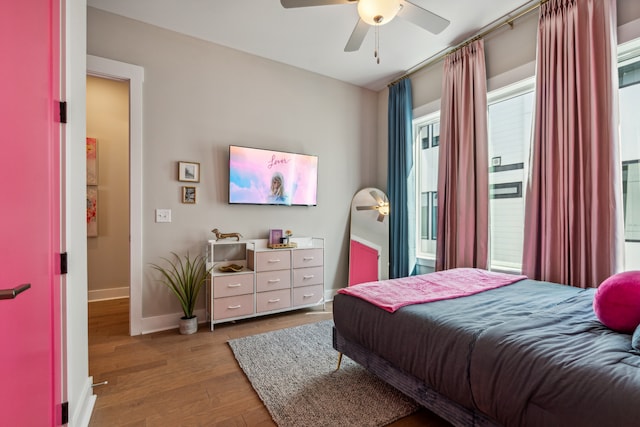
[185,277]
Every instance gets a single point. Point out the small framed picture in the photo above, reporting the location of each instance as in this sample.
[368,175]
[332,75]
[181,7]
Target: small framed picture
[188,194]
[189,171]
[274,236]
[92,210]
[92,161]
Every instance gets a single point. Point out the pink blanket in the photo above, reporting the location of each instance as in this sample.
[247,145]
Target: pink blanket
[392,294]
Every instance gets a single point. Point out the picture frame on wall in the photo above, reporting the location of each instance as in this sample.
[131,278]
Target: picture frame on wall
[189,171]
[92,161]
[274,236]
[188,194]
[92,211]
[92,187]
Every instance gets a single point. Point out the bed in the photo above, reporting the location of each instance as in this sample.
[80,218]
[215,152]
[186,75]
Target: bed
[528,353]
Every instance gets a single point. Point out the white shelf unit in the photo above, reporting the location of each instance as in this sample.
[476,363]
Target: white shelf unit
[271,280]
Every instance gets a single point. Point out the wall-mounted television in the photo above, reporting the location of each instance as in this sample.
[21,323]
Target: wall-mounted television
[267,177]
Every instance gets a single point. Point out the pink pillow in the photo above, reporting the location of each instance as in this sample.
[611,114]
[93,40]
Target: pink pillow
[617,301]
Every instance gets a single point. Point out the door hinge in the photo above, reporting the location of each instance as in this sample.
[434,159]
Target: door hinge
[64,413]
[62,118]
[63,263]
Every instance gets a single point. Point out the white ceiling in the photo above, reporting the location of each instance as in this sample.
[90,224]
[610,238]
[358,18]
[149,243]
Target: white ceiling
[313,38]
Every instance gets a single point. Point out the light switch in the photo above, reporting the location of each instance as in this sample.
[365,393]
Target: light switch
[163,215]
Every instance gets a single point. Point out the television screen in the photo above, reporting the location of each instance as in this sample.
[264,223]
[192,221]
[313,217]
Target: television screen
[258,176]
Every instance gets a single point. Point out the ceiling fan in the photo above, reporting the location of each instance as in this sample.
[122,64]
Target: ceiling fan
[382,205]
[376,13]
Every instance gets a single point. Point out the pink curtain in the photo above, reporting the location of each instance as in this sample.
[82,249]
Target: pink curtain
[463,169]
[573,220]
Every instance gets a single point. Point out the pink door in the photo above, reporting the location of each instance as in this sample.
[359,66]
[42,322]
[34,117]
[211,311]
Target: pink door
[30,384]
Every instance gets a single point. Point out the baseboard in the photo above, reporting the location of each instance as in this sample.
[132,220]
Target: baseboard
[84,407]
[106,294]
[168,321]
[329,294]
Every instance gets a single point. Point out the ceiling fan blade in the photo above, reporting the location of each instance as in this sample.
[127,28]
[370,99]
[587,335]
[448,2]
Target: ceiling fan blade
[357,36]
[287,4]
[366,208]
[381,217]
[423,18]
[377,197]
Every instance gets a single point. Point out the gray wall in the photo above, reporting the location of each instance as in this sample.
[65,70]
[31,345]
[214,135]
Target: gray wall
[519,42]
[199,98]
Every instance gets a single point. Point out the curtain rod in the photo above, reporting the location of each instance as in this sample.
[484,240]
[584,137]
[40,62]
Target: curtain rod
[440,55]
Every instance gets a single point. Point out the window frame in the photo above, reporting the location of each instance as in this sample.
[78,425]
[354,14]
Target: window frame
[505,93]
[422,258]
[497,95]
[628,53]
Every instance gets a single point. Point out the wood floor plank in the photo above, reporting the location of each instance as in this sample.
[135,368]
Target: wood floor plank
[168,379]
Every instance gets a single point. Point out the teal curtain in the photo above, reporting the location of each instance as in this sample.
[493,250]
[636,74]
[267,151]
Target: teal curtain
[400,181]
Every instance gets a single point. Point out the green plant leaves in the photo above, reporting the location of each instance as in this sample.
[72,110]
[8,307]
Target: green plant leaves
[185,277]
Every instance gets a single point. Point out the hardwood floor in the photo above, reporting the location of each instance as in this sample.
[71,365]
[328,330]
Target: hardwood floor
[168,379]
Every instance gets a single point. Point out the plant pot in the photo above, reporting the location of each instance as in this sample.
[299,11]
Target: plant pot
[188,326]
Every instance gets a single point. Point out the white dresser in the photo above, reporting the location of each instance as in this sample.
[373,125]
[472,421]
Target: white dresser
[271,280]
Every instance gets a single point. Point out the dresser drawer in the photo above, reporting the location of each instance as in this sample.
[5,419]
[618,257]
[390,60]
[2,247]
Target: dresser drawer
[272,280]
[273,260]
[307,258]
[308,295]
[234,284]
[273,300]
[224,308]
[308,276]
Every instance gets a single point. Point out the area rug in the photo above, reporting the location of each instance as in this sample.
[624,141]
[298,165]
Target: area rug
[293,372]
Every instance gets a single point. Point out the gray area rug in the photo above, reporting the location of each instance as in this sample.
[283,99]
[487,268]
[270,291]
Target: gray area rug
[293,372]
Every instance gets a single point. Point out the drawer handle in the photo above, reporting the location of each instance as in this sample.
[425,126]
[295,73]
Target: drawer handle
[233,307]
[274,260]
[307,295]
[309,276]
[274,300]
[273,280]
[308,258]
[234,285]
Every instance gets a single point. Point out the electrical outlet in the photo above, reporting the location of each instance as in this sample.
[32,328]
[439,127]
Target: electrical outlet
[163,215]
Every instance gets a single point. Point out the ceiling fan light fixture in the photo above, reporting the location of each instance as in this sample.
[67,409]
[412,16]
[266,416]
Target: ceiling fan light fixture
[378,12]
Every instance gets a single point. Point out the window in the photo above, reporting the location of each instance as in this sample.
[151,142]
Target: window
[631,200]
[427,132]
[510,115]
[629,101]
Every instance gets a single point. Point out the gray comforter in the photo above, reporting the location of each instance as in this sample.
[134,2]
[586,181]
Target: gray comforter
[528,354]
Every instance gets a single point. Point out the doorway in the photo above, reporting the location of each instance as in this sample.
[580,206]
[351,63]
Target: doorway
[107,188]
[133,75]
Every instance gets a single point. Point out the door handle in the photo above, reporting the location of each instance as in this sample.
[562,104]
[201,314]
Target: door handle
[12,293]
